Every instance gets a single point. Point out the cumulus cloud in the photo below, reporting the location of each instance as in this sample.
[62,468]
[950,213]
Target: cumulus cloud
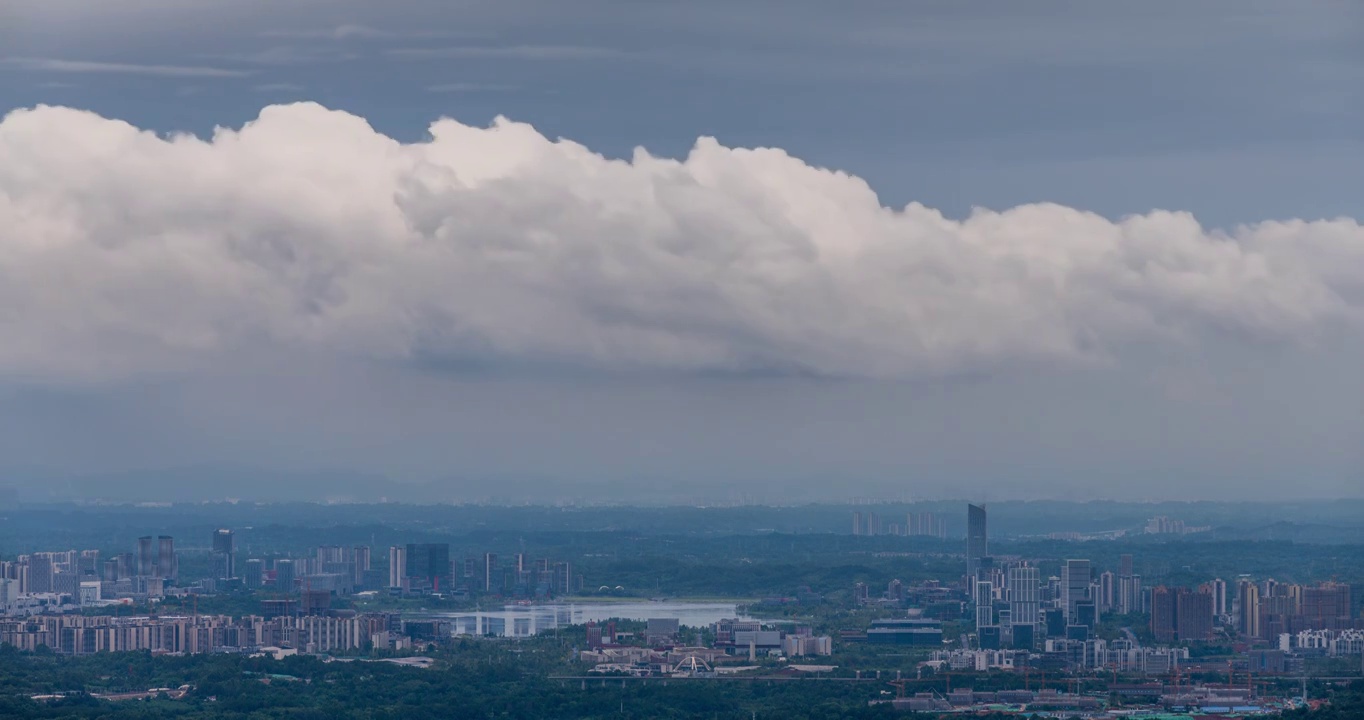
[122,251]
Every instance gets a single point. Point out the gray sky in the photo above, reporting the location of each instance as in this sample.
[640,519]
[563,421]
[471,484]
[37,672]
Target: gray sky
[1132,266]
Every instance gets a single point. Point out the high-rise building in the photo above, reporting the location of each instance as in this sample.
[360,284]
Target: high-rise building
[360,556]
[977,542]
[167,563]
[284,576]
[254,573]
[397,566]
[1125,566]
[1193,616]
[1108,592]
[1219,597]
[1326,606]
[1075,580]
[857,522]
[1025,595]
[490,582]
[1181,614]
[224,554]
[40,573]
[983,598]
[1163,614]
[146,557]
[430,563]
[1248,609]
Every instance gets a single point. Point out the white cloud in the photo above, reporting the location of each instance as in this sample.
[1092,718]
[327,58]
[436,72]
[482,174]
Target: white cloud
[511,52]
[83,66]
[122,251]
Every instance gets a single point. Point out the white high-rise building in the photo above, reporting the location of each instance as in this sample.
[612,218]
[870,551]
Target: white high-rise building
[1025,595]
[1075,580]
[985,598]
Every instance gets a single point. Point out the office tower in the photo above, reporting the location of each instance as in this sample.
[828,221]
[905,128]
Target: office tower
[984,601]
[40,572]
[1125,566]
[146,556]
[857,522]
[1163,614]
[977,544]
[224,554]
[1075,579]
[1193,616]
[1219,597]
[360,555]
[88,565]
[490,583]
[167,565]
[1248,604]
[397,566]
[1025,595]
[284,576]
[254,573]
[873,524]
[429,563]
[1108,592]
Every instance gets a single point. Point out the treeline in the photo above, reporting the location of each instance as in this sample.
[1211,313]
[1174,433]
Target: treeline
[474,680]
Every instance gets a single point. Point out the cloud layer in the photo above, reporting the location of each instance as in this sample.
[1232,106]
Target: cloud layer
[124,252]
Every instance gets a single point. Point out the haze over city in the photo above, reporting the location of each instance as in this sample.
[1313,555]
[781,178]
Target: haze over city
[645,252]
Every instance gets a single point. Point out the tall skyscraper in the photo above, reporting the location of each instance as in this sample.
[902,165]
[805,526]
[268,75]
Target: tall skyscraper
[1219,597]
[857,522]
[284,576]
[1125,566]
[1025,595]
[41,573]
[146,556]
[1163,614]
[1248,609]
[1108,592]
[1181,614]
[254,573]
[977,543]
[429,562]
[167,563]
[397,566]
[984,602]
[1075,580]
[360,557]
[1193,616]
[224,554]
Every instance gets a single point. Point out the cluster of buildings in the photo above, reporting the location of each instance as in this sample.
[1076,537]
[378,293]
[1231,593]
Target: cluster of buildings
[916,524]
[1023,619]
[193,634]
[663,653]
[46,581]
[1161,525]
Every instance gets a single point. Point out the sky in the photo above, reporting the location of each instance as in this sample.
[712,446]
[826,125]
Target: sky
[782,251]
